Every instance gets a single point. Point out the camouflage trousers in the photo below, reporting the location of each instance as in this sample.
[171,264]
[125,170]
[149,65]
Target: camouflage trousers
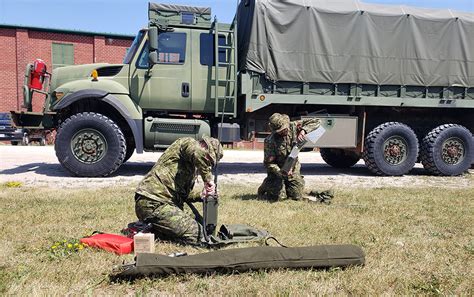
[277,187]
[169,221]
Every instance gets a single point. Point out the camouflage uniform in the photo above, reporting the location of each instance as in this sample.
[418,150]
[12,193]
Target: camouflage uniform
[160,196]
[277,148]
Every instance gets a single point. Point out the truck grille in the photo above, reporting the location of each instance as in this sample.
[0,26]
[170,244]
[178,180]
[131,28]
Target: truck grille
[174,128]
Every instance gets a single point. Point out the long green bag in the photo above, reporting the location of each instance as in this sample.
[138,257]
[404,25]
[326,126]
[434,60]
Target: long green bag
[242,260]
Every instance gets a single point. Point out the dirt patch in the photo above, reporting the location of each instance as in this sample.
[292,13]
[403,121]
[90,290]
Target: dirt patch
[38,166]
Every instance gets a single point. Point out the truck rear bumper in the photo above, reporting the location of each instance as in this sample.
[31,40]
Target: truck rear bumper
[33,120]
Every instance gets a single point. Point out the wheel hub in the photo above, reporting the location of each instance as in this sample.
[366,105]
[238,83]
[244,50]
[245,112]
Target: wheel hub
[89,146]
[395,150]
[453,151]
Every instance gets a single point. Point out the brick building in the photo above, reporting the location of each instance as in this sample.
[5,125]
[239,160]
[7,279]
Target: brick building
[22,45]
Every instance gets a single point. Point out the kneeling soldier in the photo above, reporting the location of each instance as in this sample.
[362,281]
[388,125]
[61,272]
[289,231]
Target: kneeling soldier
[160,196]
[277,147]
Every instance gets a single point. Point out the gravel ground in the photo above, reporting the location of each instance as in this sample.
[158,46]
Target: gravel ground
[38,166]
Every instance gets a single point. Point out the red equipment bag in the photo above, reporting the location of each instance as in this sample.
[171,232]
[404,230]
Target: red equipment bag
[110,242]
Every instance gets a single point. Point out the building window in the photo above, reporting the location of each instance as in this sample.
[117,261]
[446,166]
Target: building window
[207,49]
[62,54]
[171,48]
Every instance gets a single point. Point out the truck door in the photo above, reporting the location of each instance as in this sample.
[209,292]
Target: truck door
[203,70]
[167,86]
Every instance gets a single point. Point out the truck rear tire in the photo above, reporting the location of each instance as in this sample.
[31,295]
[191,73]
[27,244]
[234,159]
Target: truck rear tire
[391,149]
[339,158]
[447,150]
[90,144]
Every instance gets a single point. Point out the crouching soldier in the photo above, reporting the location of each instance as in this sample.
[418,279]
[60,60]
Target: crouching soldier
[161,195]
[277,147]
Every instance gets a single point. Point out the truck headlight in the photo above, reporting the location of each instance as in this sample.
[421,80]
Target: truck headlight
[58,95]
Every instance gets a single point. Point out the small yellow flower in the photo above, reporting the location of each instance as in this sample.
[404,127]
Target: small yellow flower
[69,246]
[64,241]
[54,247]
[80,247]
[76,245]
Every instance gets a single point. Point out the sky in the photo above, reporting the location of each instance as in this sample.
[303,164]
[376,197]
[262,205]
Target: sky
[128,16]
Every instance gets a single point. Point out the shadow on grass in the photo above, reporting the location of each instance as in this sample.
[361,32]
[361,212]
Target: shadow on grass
[141,168]
[249,197]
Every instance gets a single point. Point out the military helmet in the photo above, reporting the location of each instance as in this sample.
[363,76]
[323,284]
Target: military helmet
[214,147]
[279,122]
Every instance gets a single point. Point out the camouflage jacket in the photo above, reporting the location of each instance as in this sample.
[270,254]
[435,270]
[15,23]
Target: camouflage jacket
[277,148]
[172,178]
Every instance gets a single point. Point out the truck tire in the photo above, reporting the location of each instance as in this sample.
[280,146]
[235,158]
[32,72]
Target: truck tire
[447,150]
[90,144]
[14,142]
[130,151]
[391,149]
[339,158]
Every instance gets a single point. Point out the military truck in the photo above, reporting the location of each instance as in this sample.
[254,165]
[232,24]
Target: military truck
[392,85]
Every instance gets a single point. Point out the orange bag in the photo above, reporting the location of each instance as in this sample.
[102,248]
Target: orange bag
[110,242]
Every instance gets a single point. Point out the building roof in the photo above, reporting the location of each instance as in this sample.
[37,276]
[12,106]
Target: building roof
[67,31]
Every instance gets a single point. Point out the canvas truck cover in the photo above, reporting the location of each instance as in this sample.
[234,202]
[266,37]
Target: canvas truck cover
[178,8]
[346,41]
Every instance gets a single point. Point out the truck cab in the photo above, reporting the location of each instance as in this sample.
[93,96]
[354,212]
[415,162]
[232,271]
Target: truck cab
[167,87]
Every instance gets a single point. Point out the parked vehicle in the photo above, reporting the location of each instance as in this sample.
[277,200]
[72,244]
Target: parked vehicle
[390,85]
[10,133]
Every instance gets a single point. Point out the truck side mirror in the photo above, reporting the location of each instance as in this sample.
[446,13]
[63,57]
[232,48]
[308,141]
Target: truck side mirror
[153,39]
[153,58]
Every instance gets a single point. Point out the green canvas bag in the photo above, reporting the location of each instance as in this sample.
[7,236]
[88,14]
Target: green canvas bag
[242,260]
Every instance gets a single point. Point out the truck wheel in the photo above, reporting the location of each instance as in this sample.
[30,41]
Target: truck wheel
[339,158]
[391,149]
[42,141]
[14,142]
[90,144]
[447,150]
[130,151]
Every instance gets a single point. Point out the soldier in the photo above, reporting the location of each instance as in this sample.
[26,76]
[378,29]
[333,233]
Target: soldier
[160,196]
[277,148]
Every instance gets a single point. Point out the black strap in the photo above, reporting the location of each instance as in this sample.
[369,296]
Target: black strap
[276,240]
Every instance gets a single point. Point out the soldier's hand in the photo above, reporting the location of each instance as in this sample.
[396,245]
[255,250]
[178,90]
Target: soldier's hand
[302,135]
[290,173]
[209,189]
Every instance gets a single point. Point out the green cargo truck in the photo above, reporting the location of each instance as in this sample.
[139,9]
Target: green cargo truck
[392,85]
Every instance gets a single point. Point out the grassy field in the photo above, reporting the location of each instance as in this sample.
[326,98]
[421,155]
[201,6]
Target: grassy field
[417,241]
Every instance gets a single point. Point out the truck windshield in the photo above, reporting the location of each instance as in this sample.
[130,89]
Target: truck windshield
[133,48]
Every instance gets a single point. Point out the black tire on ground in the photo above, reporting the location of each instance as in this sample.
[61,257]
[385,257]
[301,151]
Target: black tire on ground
[391,149]
[339,158]
[42,141]
[14,142]
[130,151]
[447,150]
[90,144]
